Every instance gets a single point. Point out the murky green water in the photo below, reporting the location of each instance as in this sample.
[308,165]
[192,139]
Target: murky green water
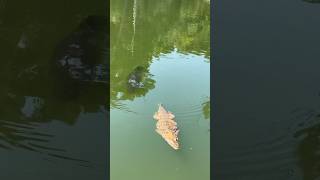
[266,90]
[52,115]
[159,54]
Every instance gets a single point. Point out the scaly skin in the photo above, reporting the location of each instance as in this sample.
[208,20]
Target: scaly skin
[167,127]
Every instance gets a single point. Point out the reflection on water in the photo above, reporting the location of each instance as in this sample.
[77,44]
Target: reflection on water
[186,28]
[159,54]
[53,79]
[308,151]
[312,1]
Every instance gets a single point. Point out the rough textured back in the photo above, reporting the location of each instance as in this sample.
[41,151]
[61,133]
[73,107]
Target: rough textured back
[167,127]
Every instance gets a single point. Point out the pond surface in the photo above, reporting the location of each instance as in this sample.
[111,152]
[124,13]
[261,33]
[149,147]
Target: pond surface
[159,54]
[266,90]
[53,114]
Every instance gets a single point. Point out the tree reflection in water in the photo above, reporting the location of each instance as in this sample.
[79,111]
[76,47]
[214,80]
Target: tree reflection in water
[137,39]
[35,91]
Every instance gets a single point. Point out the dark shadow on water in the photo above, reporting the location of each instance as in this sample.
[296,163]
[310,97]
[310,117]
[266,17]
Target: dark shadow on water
[312,1]
[308,151]
[35,91]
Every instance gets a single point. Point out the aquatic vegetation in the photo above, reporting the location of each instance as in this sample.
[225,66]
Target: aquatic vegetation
[206,109]
[308,151]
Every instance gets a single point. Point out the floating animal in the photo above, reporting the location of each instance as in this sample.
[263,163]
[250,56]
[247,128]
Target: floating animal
[167,127]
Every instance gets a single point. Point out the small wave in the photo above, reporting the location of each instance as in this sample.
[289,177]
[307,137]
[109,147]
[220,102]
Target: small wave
[24,135]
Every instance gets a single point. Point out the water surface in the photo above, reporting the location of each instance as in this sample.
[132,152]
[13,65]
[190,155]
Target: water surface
[159,54]
[52,117]
[266,90]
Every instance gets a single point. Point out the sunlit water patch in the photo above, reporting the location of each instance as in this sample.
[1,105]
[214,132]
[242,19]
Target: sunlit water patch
[182,86]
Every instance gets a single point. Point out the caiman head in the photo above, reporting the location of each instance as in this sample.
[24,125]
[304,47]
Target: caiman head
[160,110]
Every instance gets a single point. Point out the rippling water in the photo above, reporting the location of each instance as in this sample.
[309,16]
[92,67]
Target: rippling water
[52,122]
[159,54]
[266,123]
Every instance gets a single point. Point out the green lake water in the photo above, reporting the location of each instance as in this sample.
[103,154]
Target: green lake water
[266,90]
[53,124]
[159,54]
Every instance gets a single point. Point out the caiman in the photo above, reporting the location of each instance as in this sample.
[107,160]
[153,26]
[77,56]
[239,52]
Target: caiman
[167,127]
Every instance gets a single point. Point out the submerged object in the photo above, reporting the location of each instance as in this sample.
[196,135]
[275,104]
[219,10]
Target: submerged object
[167,127]
[137,77]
